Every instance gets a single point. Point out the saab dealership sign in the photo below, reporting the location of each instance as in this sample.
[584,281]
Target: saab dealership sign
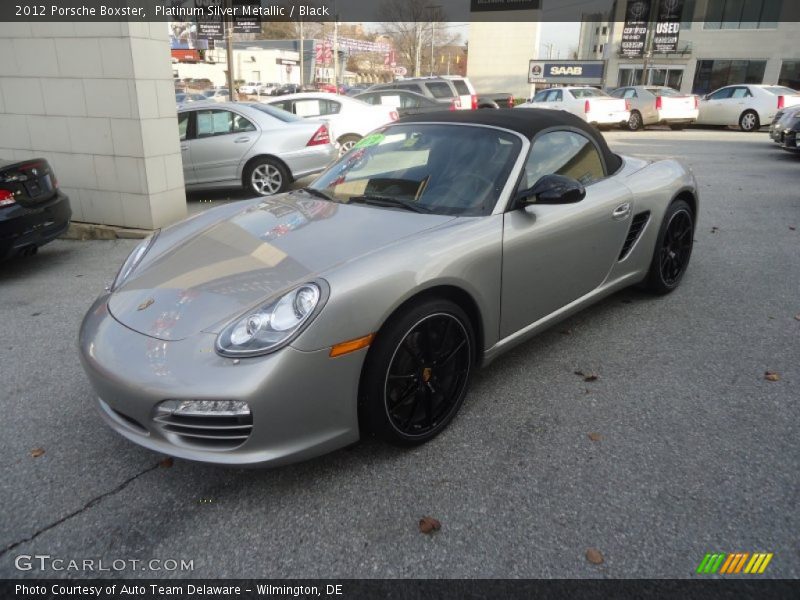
[589,72]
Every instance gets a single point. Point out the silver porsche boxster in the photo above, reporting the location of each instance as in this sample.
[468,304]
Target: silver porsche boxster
[274,330]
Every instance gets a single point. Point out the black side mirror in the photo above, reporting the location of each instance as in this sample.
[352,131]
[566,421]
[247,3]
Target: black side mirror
[552,189]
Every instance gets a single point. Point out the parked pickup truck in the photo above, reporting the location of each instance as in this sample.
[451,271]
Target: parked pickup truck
[496,100]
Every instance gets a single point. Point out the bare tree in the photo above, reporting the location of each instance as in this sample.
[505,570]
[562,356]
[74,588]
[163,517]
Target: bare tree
[411,24]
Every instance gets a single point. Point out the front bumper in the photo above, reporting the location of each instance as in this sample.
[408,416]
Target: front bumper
[22,227]
[790,141]
[303,404]
[608,118]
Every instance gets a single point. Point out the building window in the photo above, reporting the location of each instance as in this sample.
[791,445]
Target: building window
[601,48]
[597,31]
[687,16]
[743,14]
[594,49]
[628,77]
[605,30]
[790,74]
[714,74]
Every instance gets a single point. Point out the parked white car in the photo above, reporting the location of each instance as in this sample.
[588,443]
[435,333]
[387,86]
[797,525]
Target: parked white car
[251,87]
[348,119]
[590,104]
[658,105]
[265,89]
[747,106]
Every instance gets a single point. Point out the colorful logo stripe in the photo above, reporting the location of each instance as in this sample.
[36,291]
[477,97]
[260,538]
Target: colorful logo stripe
[734,563]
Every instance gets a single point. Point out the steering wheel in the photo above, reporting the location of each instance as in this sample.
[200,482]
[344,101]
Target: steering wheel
[456,190]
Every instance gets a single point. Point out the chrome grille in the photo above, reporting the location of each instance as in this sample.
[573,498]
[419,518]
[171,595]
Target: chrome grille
[209,431]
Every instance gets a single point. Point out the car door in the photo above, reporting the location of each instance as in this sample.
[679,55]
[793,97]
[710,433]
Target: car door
[222,139]
[741,99]
[715,106]
[186,132]
[555,254]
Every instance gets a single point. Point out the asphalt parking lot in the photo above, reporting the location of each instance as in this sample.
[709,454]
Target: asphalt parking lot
[691,450]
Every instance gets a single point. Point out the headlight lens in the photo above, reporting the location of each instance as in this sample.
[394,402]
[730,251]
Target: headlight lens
[133,260]
[272,325]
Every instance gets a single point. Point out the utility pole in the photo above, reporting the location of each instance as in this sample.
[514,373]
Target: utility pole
[418,43]
[234,96]
[433,38]
[335,48]
[648,46]
[302,54]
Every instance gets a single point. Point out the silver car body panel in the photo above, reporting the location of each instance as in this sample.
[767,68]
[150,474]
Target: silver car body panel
[520,271]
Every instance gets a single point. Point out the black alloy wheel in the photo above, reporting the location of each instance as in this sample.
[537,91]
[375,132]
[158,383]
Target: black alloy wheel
[418,372]
[673,248]
[635,122]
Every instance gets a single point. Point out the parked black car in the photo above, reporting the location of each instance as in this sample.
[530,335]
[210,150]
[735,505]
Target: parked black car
[33,211]
[785,127]
[404,102]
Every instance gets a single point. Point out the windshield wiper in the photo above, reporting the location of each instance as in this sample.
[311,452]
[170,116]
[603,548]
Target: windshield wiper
[388,201]
[318,194]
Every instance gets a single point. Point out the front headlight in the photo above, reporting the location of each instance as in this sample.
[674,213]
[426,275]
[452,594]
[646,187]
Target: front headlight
[133,260]
[271,326]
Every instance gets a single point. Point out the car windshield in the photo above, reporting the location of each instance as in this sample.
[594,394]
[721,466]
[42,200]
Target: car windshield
[781,91]
[276,112]
[445,169]
[587,93]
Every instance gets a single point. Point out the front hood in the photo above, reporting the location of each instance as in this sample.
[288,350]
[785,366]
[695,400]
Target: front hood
[238,262]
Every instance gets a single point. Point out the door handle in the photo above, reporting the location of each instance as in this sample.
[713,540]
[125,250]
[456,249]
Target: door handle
[622,211]
[241,140]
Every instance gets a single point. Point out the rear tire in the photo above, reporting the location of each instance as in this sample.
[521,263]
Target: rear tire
[635,123]
[749,121]
[266,177]
[417,372]
[673,249]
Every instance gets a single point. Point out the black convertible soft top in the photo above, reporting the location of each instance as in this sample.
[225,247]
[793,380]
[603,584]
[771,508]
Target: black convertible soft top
[526,121]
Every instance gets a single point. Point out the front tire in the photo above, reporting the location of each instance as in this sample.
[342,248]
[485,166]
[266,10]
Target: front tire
[673,249]
[417,373]
[346,143]
[749,121]
[266,177]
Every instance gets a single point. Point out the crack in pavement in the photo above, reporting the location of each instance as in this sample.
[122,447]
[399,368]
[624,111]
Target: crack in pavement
[85,507]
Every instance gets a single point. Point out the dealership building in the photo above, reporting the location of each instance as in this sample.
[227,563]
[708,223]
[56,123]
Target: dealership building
[719,42]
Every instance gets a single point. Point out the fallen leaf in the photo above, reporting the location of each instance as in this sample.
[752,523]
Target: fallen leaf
[37,452]
[714,229]
[792,228]
[591,377]
[429,525]
[771,376]
[595,437]
[796,318]
[594,556]
[36,314]
[166,463]
[578,373]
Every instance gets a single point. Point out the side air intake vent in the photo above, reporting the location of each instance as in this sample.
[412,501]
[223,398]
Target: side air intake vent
[637,227]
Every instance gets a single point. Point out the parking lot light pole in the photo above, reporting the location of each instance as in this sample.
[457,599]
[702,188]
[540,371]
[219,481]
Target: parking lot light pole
[232,94]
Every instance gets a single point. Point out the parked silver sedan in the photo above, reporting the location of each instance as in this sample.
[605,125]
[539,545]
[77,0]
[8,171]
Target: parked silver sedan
[274,330]
[259,147]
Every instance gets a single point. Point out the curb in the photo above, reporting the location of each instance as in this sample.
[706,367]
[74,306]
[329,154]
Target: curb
[92,231]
